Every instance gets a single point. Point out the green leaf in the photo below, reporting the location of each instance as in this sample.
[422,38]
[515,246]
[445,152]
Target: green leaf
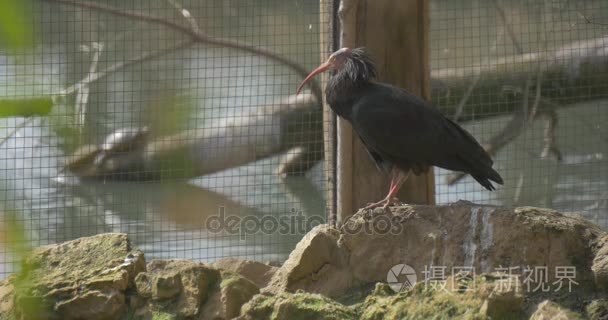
[26,107]
[16,24]
[14,235]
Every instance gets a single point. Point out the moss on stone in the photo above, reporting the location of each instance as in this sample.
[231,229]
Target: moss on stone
[84,258]
[230,279]
[551,310]
[159,315]
[597,309]
[421,302]
[83,278]
[297,306]
[479,298]
[234,291]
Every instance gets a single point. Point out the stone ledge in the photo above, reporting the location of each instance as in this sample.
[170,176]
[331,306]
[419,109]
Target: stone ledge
[331,273]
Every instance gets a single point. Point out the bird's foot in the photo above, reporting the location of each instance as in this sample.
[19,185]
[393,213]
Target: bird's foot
[384,203]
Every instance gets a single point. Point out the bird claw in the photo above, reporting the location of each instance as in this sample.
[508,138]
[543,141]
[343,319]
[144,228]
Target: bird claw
[384,203]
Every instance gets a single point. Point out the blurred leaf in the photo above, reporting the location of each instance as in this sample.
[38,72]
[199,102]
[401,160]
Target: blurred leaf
[170,113]
[25,107]
[14,236]
[15,24]
[17,243]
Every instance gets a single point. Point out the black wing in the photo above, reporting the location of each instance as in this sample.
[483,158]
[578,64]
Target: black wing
[410,133]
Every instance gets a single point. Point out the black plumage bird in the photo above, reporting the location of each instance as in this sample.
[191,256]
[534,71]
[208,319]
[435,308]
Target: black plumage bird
[402,132]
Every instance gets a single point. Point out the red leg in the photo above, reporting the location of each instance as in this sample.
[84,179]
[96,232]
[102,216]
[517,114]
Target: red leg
[398,177]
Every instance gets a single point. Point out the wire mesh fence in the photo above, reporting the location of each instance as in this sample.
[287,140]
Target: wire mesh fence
[528,79]
[173,121]
[176,121]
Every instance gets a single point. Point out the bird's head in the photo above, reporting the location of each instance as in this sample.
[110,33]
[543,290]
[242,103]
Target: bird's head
[353,64]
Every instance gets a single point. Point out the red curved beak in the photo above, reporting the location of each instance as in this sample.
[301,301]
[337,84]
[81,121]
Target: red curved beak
[322,68]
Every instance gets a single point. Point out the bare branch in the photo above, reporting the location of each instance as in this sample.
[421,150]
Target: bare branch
[465,97]
[473,85]
[539,79]
[589,21]
[514,128]
[82,97]
[195,36]
[549,135]
[92,77]
[510,31]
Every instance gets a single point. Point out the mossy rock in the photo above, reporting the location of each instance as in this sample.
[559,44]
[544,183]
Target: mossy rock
[549,310]
[84,278]
[481,297]
[490,296]
[295,306]
[597,309]
[227,298]
[179,287]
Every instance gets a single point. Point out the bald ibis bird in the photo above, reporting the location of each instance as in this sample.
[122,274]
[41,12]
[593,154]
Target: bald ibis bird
[402,132]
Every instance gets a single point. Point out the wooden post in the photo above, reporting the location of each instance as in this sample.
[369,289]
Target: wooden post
[395,33]
[327,24]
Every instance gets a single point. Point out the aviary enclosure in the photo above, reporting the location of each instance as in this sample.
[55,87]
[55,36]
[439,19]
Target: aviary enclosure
[177,122]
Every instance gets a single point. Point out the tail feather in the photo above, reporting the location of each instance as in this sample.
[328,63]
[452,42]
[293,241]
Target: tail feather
[484,178]
[473,158]
[484,182]
[494,176]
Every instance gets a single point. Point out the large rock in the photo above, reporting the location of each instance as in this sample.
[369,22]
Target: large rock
[190,290]
[178,287]
[317,264]
[103,277]
[332,273]
[86,278]
[490,296]
[256,272]
[600,264]
[300,305]
[226,301]
[485,238]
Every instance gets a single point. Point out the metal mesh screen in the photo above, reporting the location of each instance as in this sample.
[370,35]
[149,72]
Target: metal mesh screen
[529,80]
[172,120]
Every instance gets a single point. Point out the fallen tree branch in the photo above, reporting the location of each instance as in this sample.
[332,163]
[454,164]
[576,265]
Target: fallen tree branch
[229,143]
